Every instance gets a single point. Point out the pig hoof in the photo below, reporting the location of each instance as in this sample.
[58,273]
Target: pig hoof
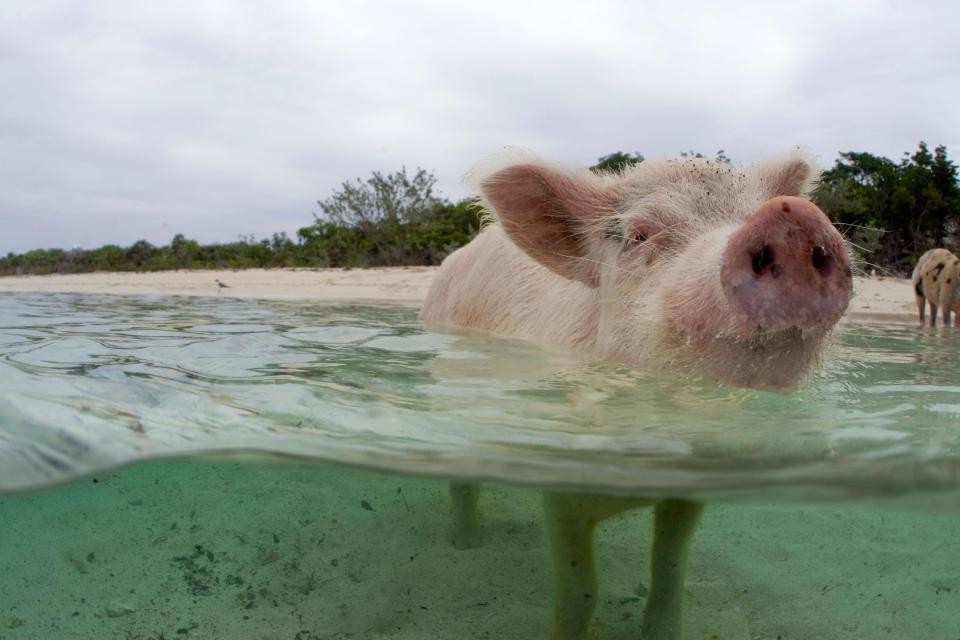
[467,538]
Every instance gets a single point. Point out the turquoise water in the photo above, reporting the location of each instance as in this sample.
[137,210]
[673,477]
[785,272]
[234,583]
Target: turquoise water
[87,385]
[833,510]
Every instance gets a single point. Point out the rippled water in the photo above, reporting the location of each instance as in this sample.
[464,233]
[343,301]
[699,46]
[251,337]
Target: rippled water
[88,383]
[191,546]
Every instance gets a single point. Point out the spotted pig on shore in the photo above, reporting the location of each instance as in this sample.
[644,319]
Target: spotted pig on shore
[936,280]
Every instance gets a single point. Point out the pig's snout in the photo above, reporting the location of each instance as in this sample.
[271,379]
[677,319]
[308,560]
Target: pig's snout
[787,266]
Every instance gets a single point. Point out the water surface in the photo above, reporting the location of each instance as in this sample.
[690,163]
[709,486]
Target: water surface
[88,383]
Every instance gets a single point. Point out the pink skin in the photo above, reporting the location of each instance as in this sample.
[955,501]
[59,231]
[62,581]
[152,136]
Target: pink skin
[785,268]
[726,274]
[687,266]
[784,281]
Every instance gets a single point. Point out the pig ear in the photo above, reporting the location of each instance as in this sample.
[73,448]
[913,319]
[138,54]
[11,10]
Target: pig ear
[551,214]
[790,174]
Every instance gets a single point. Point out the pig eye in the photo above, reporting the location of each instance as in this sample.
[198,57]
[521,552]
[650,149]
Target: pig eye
[635,238]
[637,234]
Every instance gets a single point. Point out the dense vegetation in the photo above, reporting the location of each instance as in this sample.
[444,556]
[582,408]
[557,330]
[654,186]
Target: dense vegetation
[388,219]
[892,211]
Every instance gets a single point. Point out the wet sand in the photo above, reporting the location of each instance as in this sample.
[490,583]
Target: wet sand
[876,300]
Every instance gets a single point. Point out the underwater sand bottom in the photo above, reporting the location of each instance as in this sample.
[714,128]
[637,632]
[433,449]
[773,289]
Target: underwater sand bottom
[211,550]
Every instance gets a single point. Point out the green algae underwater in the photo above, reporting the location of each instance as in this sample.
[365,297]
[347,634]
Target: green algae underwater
[221,468]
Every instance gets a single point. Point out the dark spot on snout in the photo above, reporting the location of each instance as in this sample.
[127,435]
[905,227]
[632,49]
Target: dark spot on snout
[786,207]
[762,259]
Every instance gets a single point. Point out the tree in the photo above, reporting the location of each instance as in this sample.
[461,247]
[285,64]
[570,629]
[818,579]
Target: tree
[720,157]
[444,229]
[184,250]
[392,198]
[895,211]
[616,162]
[139,254]
[388,219]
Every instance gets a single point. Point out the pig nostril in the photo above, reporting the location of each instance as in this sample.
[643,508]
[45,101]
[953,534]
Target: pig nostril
[762,259]
[821,259]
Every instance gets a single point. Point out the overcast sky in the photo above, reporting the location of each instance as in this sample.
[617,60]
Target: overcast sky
[123,120]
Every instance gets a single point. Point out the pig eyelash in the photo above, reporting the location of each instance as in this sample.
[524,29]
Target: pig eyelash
[615,232]
[659,252]
[635,238]
[658,245]
[639,237]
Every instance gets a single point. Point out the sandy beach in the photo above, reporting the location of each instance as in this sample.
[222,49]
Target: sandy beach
[400,285]
[876,300]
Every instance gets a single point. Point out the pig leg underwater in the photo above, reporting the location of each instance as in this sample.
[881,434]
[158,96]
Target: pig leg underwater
[572,519]
[674,524]
[466,518]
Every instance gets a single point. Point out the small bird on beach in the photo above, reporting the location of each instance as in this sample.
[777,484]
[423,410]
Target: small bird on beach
[221,286]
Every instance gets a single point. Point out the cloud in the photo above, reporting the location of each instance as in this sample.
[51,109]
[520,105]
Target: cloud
[216,119]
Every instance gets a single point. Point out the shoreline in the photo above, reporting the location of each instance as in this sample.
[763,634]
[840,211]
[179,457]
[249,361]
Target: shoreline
[876,300]
[396,285]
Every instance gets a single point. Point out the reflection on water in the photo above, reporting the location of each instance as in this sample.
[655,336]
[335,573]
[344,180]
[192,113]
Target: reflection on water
[91,382]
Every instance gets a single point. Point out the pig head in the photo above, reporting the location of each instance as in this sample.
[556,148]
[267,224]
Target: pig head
[692,265]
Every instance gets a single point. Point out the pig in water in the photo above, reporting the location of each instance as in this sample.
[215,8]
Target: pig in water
[936,280]
[692,266]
